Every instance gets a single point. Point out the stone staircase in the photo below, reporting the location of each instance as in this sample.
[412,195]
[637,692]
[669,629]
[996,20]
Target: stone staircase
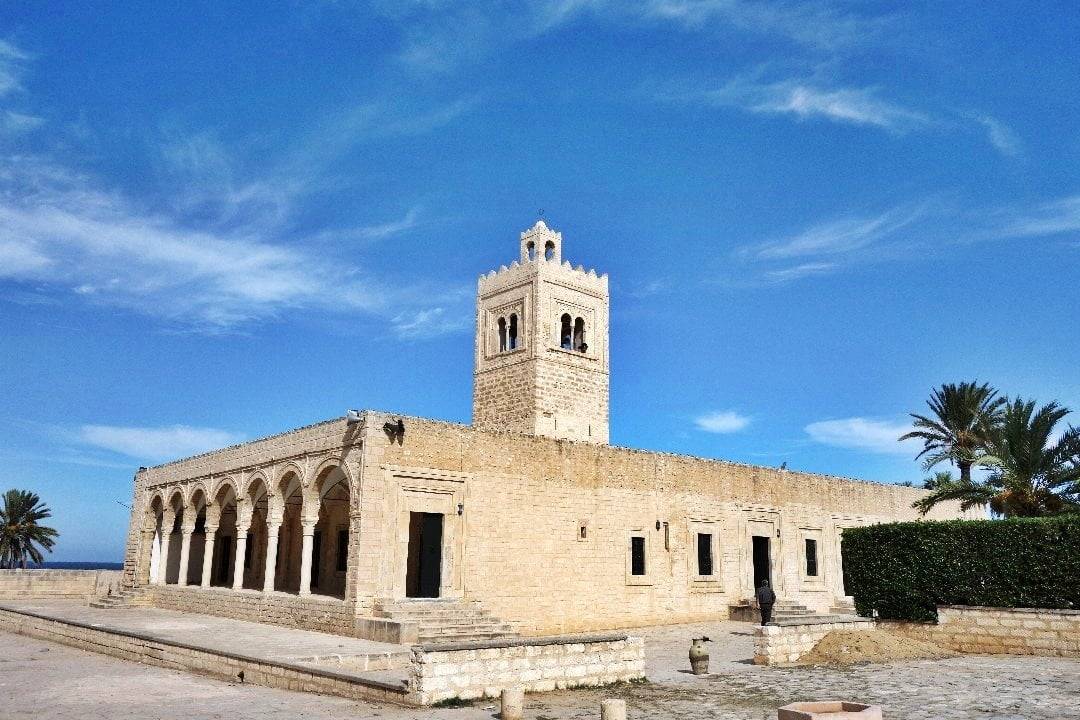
[445,621]
[785,611]
[125,598]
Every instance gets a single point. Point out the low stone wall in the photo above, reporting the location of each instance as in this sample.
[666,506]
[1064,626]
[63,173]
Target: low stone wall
[786,642]
[58,583]
[998,631]
[216,663]
[314,612]
[474,670]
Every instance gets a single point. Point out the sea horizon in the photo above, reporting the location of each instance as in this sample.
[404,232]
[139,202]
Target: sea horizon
[77,565]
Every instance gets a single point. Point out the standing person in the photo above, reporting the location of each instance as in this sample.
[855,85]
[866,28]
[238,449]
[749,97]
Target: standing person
[765,600]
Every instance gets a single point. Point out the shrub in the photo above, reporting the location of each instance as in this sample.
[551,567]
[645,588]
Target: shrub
[905,570]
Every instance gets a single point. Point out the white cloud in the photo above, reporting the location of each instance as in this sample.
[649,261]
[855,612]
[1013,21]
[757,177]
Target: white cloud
[12,65]
[429,323]
[721,421]
[798,272]
[1050,218]
[839,237]
[1001,136]
[14,123]
[157,444]
[805,100]
[858,433]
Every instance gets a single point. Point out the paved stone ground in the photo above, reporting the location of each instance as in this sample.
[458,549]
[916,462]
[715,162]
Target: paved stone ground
[49,681]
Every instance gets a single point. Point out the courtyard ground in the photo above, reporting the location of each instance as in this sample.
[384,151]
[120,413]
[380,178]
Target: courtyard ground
[49,681]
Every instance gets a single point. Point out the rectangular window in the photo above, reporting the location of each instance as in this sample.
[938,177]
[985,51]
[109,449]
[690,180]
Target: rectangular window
[704,554]
[811,557]
[342,549]
[637,555]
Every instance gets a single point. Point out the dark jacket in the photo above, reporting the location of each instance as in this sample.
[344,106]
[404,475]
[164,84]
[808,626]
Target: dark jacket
[765,595]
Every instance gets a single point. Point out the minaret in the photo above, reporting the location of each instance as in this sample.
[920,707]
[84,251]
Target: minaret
[542,345]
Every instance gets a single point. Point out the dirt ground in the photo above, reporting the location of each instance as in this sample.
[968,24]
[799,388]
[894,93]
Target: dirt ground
[843,647]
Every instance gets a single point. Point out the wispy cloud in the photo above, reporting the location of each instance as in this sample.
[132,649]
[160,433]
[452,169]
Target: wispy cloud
[721,422]
[429,323]
[841,236]
[1001,136]
[157,444]
[12,66]
[59,230]
[867,434]
[808,100]
[1049,218]
[14,123]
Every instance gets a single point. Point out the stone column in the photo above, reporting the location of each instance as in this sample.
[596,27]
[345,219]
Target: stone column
[305,558]
[168,519]
[208,555]
[238,563]
[185,551]
[273,527]
[147,557]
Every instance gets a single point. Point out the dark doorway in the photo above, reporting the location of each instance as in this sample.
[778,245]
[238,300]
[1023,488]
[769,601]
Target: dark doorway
[316,557]
[762,566]
[423,576]
[223,548]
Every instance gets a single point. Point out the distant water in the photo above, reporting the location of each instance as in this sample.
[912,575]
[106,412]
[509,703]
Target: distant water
[80,566]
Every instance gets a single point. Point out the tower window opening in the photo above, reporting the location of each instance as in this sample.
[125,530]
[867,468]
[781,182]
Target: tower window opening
[579,335]
[566,337]
[512,335]
[549,250]
[502,334]
[530,249]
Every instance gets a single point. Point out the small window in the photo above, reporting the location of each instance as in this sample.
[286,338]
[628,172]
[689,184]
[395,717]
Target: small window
[637,555]
[549,250]
[502,334]
[811,558]
[342,550]
[579,335]
[704,554]
[530,248]
[566,337]
[512,335]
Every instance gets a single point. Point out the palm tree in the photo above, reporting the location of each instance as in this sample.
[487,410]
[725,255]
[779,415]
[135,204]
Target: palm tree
[962,417]
[1030,474]
[938,479]
[20,533]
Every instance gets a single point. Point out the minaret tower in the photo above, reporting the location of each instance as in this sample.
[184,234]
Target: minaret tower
[542,345]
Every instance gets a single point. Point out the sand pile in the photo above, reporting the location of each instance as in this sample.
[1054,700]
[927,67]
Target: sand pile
[841,647]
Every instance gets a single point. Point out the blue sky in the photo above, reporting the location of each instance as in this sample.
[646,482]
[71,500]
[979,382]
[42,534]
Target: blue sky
[220,221]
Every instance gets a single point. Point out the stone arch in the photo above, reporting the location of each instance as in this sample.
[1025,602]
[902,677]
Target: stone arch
[290,493]
[171,534]
[566,332]
[223,501]
[333,532]
[199,505]
[151,572]
[258,496]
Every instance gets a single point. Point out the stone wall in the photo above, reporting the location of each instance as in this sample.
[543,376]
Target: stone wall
[324,614]
[519,546]
[484,670]
[215,663]
[999,631]
[58,583]
[786,643]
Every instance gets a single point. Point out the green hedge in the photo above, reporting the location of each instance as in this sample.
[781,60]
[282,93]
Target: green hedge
[905,570]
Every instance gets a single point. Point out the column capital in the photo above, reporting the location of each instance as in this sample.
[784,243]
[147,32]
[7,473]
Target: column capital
[187,529]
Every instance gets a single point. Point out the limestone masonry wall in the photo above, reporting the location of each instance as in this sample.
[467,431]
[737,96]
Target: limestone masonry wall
[441,673]
[519,545]
[323,614]
[58,583]
[787,643]
[999,631]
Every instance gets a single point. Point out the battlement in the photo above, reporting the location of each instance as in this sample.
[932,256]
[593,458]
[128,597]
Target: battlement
[541,254]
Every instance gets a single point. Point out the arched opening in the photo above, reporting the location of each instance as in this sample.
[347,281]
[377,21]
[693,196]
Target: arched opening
[330,545]
[512,334]
[153,521]
[549,250]
[290,537]
[530,250]
[579,335]
[566,337]
[173,538]
[198,538]
[221,566]
[502,334]
[255,547]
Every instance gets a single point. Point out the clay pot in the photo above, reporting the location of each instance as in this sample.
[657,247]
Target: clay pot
[699,656]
